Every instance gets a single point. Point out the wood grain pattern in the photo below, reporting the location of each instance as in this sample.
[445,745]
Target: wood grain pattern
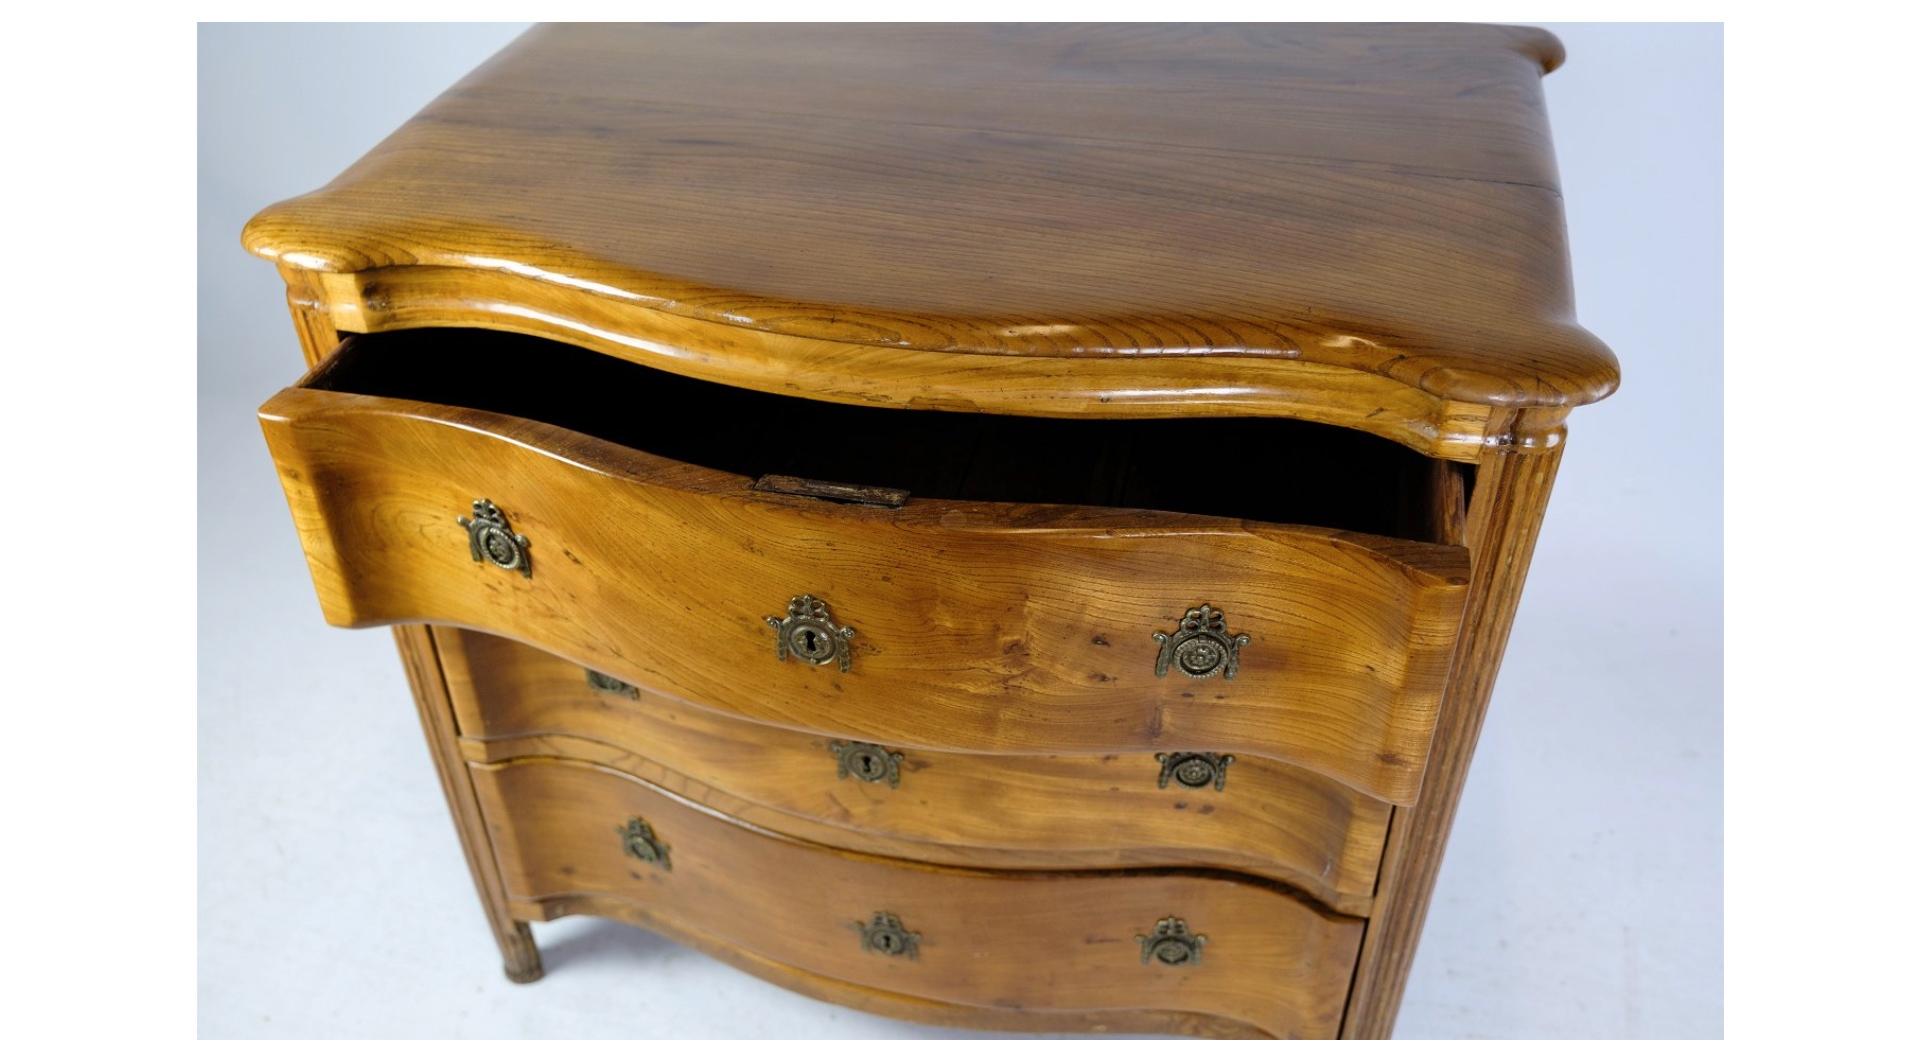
[1272,819]
[1354,225]
[1381,199]
[1507,507]
[421,660]
[888,1002]
[1025,942]
[980,627]
[385,300]
[521,960]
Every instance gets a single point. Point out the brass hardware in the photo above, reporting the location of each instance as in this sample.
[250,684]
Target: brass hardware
[1201,645]
[490,538]
[830,490]
[601,681]
[886,935]
[809,634]
[1194,771]
[866,762]
[638,839]
[1172,944]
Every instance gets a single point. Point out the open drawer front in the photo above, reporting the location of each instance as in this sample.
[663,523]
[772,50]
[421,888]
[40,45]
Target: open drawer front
[1029,594]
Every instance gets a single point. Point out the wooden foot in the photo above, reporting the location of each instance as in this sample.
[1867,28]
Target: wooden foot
[521,959]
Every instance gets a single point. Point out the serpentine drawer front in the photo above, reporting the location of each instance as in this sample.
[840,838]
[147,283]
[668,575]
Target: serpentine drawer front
[1021,943]
[1010,526]
[1133,810]
[954,625]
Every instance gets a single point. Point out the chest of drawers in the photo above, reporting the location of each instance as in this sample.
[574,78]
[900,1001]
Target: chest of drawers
[1009,526]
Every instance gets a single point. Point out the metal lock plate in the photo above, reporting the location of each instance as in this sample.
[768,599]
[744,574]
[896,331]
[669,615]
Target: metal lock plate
[809,633]
[885,935]
[867,762]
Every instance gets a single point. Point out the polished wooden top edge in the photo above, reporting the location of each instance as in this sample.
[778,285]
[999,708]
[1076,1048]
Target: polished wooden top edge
[423,297]
[1338,234]
[1454,384]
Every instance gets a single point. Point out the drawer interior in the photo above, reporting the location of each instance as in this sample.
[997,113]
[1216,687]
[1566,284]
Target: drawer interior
[1263,469]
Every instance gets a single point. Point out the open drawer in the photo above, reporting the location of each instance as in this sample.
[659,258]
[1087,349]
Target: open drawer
[1046,585]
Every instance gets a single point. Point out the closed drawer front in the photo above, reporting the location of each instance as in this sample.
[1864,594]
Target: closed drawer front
[970,625]
[567,833]
[1117,811]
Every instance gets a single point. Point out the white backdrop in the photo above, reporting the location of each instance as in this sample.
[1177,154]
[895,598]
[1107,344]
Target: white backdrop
[1582,894]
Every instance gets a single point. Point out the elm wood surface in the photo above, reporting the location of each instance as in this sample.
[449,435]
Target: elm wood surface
[1379,199]
[980,627]
[1357,226]
[1271,819]
[1506,512]
[1024,942]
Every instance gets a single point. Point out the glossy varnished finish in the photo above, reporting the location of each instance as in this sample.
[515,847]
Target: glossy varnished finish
[1108,811]
[1017,942]
[980,627]
[1377,199]
[1353,225]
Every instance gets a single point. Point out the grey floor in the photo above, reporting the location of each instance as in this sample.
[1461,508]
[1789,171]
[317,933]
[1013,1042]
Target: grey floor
[1582,893]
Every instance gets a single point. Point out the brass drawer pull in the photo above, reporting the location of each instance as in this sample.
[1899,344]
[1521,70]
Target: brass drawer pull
[601,681]
[491,539]
[810,634]
[1194,771]
[867,762]
[638,839]
[885,935]
[1201,645]
[1172,944]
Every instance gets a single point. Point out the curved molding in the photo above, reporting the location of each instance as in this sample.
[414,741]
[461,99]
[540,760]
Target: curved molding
[865,375]
[884,1002]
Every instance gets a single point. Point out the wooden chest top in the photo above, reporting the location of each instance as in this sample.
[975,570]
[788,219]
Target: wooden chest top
[1376,198]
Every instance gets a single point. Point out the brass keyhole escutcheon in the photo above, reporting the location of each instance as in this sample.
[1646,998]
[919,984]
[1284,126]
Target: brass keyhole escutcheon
[867,762]
[809,633]
[885,934]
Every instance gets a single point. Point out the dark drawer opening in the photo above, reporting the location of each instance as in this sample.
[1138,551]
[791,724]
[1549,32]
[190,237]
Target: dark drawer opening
[1262,469]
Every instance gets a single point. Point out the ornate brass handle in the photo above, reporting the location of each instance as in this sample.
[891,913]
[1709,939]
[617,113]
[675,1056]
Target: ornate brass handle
[491,539]
[1194,771]
[809,633]
[1201,645]
[867,762]
[638,839]
[885,935]
[1172,944]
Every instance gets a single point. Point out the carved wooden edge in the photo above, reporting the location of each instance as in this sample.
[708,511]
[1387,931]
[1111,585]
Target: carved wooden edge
[885,1002]
[421,661]
[520,958]
[1507,505]
[402,297]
